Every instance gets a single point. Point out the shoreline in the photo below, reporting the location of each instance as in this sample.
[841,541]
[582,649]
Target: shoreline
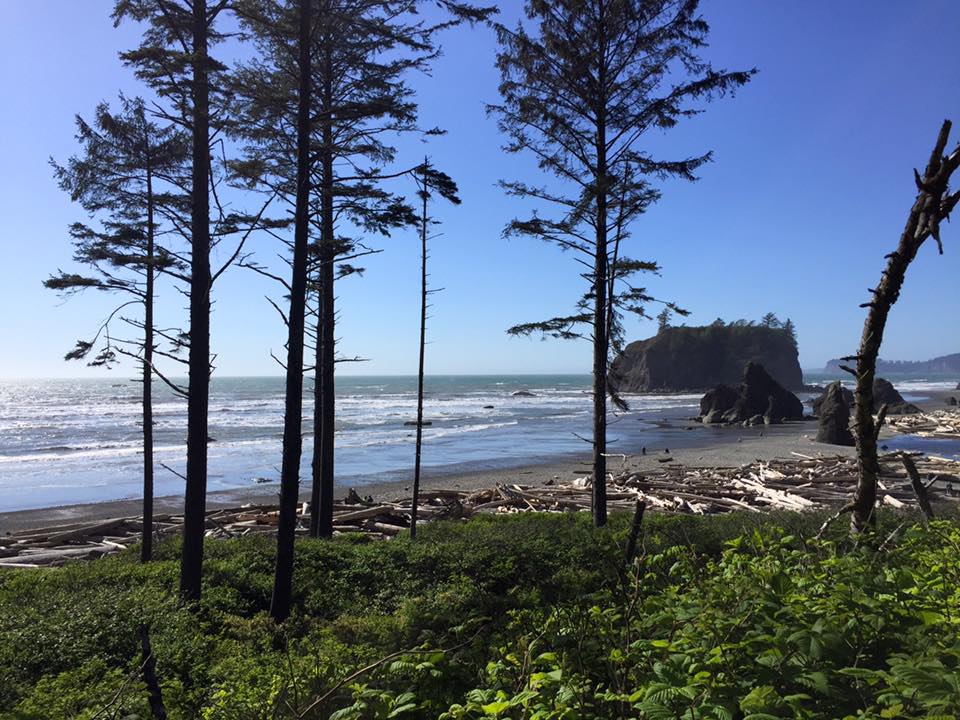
[702,447]
[694,445]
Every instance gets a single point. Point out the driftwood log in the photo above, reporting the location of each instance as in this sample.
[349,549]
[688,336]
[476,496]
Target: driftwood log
[800,483]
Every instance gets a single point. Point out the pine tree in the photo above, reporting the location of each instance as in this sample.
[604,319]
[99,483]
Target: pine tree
[770,320]
[791,331]
[365,52]
[174,60]
[128,172]
[268,102]
[427,179]
[663,320]
[579,93]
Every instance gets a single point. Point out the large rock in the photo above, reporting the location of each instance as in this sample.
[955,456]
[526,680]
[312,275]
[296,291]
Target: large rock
[699,358]
[847,394]
[722,397]
[759,398]
[884,393]
[834,413]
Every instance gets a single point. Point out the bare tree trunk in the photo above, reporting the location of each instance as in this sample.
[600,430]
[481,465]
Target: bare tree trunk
[194,510]
[321,521]
[146,542]
[292,421]
[600,337]
[149,674]
[931,206]
[423,338]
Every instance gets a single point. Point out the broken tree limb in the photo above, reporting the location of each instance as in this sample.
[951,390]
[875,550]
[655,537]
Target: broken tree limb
[919,488]
[635,531]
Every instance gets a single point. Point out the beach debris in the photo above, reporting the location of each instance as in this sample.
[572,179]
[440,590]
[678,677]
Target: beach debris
[801,482]
[935,424]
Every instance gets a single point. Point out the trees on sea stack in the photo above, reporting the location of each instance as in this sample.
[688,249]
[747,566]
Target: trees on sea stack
[933,205]
[128,170]
[174,60]
[579,93]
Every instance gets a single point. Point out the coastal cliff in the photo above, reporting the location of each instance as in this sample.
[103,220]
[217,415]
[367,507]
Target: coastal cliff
[699,358]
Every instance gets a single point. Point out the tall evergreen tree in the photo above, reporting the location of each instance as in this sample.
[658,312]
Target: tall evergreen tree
[770,320]
[267,103]
[428,180]
[580,93]
[361,56]
[791,330]
[128,171]
[174,60]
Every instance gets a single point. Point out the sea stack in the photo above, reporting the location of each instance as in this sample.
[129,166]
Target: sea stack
[834,414]
[759,400]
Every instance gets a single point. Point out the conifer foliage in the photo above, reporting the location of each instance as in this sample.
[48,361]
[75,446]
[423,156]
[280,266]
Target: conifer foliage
[128,174]
[579,92]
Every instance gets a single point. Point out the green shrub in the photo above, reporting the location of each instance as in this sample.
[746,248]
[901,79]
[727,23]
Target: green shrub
[531,615]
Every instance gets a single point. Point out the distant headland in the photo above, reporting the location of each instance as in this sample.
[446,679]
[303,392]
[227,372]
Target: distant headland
[943,365]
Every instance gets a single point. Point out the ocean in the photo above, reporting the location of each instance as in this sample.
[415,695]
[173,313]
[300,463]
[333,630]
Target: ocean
[77,441]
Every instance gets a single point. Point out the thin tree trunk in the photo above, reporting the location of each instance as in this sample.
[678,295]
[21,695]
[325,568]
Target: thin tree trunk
[929,209]
[322,520]
[423,339]
[146,542]
[600,335]
[194,510]
[149,675]
[317,418]
[292,421]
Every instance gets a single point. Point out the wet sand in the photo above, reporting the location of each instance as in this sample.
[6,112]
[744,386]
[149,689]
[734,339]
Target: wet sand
[693,445]
[697,447]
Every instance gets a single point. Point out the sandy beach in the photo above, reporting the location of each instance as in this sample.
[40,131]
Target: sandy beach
[690,444]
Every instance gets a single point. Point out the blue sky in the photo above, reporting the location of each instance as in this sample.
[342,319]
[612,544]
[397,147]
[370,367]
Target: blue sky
[810,186]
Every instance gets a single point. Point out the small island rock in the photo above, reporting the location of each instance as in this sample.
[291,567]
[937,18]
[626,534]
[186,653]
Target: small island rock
[834,414]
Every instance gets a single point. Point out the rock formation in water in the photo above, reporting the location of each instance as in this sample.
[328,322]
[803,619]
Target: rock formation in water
[699,358]
[759,400]
[834,416]
[884,393]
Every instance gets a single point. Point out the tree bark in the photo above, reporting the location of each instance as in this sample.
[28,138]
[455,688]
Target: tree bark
[931,206]
[149,674]
[194,510]
[292,421]
[423,337]
[146,541]
[600,330]
[321,521]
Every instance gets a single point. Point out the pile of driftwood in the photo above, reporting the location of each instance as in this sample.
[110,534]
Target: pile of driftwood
[800,483]
[937,424]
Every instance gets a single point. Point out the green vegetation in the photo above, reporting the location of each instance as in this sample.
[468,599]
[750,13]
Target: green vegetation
[532,616]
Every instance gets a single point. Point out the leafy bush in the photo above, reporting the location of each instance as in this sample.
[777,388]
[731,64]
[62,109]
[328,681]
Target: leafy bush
[530,616]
